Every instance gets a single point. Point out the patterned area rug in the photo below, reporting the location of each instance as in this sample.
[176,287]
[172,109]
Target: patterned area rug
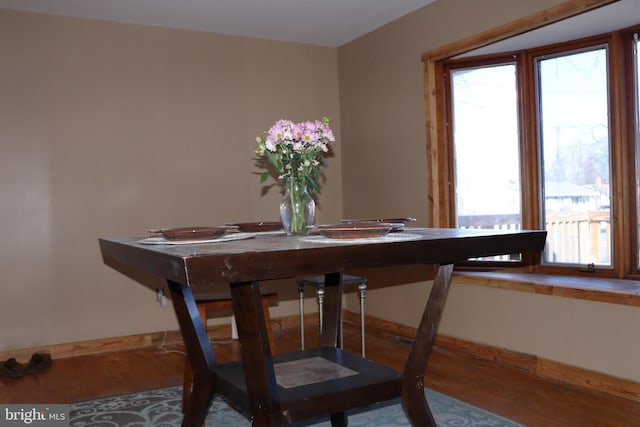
[161,408]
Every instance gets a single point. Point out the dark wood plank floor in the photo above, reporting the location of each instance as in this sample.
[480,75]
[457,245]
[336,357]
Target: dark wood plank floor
[509,392]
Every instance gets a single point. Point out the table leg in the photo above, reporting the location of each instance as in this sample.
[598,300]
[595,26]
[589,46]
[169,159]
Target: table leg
[199,354]
[413,397]
[331,335]
[257,362]
[339,420]
[331,311]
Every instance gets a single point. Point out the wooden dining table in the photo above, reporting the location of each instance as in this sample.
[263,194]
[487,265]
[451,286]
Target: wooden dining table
[279,389]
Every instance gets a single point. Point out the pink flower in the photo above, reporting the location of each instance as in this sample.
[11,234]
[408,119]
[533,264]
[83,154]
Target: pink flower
[282,130]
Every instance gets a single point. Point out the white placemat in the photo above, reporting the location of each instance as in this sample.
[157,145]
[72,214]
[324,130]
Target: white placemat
[227,238]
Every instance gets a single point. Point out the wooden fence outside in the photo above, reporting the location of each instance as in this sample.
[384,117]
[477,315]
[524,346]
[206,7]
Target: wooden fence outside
[572,237]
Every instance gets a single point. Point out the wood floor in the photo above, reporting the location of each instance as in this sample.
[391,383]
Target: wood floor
[514,394]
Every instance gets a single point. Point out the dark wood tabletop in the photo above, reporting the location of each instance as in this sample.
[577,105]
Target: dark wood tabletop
[272,256]
[241,264]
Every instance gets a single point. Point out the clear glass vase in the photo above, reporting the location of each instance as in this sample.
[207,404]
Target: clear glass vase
[297,209]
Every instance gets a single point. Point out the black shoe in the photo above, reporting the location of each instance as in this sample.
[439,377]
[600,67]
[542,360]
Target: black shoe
[38,363]
[12,369]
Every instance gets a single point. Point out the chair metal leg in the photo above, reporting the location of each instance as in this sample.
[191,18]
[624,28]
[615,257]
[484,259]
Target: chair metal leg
[320,303]
[301,302]
[362,288]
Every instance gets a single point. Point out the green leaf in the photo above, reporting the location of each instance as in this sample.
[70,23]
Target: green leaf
[264,176]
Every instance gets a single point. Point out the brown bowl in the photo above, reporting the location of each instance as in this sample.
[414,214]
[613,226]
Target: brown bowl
[194,233]
[354,230]
[257,227]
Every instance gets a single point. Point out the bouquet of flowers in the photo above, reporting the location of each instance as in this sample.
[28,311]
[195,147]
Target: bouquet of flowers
[294,152]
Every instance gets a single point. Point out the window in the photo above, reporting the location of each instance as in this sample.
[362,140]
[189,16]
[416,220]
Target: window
[485,149]
[575,161]
[485,128]
[542,138]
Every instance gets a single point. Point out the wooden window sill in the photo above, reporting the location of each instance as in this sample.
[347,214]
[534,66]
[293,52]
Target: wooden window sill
[615,291]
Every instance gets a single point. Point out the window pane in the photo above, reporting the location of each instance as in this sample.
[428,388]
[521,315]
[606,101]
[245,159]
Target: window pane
[486,148]
[574,134]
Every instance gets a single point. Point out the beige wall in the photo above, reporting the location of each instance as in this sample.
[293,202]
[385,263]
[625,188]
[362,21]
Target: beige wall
[110,129]
[384,158]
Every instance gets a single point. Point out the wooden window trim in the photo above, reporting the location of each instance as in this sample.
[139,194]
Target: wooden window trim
[627,88]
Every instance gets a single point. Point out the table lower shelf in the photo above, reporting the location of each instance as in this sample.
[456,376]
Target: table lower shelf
[316,382]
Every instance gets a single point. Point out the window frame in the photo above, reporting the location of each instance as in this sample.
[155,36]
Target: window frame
[630,93]
[615,145]
[440,147]
[473,62]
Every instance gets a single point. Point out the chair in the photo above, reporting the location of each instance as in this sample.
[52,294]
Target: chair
[318,283]
[212,302]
